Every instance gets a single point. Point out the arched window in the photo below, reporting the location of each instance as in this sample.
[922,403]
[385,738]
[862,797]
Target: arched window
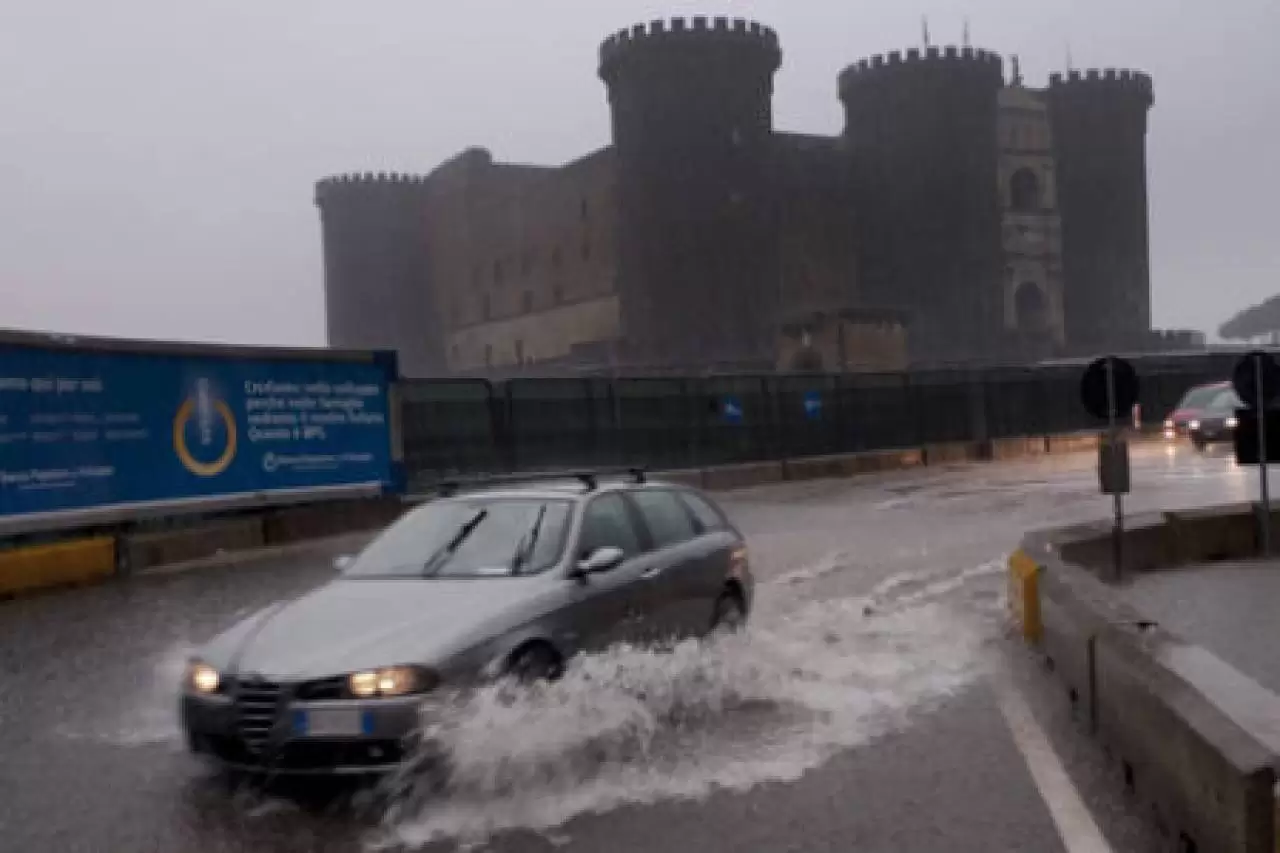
[1024,191]
[1031,308]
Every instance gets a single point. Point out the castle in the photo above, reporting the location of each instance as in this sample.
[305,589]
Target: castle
[960,217]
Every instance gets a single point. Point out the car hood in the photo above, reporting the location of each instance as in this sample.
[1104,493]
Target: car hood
[350,625]
[1182,416]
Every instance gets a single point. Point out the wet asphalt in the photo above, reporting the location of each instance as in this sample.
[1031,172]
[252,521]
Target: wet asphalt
[91,759]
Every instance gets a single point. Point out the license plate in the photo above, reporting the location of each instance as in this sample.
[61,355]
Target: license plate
[329,722]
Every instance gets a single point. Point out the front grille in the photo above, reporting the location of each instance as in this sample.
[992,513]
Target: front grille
[323,690]
[257,708]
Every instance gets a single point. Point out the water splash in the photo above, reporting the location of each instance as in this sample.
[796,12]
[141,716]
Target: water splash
[631,726]
[150,715]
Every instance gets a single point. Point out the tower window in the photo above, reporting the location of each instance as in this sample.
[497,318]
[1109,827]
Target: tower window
[584,210]
[486,306]
[527,301]
[519,351]
[488,355]
[1024,191]
[1031,308]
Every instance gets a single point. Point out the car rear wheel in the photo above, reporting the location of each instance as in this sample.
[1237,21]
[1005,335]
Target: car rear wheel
[730,614]
[534,663]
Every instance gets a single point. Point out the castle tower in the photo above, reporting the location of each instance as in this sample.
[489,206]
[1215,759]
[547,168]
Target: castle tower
[697,236]
[921,132]
[1099,122]
[377,293]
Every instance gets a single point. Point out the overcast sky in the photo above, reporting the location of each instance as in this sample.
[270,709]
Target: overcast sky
[158,157]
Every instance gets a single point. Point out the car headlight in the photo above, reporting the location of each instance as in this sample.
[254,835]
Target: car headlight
[1168,425]
[202,678]
[1193,426]
[1232,422]
[391,681]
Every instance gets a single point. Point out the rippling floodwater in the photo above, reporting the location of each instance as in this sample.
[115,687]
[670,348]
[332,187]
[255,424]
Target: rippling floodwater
[631,726]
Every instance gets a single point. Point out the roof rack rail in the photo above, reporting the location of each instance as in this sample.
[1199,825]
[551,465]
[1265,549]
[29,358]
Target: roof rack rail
[589,478]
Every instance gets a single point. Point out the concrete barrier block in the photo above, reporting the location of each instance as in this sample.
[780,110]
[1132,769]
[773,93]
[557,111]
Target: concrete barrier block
[1073,442]
[1074,607]
[952,452]
[37,567]
[1015,448]
[1212,534]
[691,477]
[725,477]
[1209,779]
[1146,546]
[316,521]
[145,550]
[815,468]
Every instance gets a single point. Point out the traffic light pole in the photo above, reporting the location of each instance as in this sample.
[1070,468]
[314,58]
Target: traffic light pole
[1117,527]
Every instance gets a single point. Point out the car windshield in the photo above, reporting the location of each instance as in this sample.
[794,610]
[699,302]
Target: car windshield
[1225,403]
[1199,398]
[475,537]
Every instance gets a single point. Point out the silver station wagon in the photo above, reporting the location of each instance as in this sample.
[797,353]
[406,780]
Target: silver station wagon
[490,580]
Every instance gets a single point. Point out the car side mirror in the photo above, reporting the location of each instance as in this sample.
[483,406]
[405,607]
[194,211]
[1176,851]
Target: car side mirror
[343,562]
[600,560]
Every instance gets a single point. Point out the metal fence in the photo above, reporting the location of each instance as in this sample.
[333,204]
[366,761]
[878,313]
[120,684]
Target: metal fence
[465,426]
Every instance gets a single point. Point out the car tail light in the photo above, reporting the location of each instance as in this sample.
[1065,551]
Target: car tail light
[738,561]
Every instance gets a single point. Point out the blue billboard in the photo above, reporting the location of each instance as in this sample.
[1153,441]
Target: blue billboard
[82,428]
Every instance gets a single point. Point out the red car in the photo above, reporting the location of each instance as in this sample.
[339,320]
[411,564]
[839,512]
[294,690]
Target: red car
[1200,403]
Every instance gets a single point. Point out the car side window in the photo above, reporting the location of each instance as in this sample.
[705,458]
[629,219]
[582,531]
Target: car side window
[706,515]
[668,521]
[606,523]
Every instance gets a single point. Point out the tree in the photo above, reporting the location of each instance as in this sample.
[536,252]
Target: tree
[1257,320]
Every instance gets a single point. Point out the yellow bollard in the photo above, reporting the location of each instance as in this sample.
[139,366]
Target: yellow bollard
[35,567]
[1024,595]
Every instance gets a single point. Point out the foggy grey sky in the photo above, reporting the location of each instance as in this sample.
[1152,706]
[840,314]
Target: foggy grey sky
[157,157]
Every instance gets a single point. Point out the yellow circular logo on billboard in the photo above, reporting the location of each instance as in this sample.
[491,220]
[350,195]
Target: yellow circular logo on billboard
[204,433]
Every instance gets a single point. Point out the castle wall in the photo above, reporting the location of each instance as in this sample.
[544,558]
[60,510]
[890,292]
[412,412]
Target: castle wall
[519,246]
[818,260]
[991,220]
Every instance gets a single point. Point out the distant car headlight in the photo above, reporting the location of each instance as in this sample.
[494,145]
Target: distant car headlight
[1232,422]
[202,678]
[391,681]
[1169,424]
[1193,426]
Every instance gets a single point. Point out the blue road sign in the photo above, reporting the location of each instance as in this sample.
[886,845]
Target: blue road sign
[731,409]
[813,405]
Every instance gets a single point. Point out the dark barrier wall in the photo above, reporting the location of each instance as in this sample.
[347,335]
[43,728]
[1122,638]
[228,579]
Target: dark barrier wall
[87,426]
[472,426]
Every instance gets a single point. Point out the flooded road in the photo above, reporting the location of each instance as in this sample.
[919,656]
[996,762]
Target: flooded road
[876,703]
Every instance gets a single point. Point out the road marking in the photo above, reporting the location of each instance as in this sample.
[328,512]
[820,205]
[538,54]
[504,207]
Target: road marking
[1079,831]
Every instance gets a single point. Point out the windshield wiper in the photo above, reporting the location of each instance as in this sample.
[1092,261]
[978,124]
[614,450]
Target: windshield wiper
[437,560]
[524,549]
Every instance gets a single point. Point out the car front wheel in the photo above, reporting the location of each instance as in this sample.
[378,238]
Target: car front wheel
[730,615]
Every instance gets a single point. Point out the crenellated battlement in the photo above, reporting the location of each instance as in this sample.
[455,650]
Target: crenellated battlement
[367,184]
[699,31]
[950,59]
[1096,82]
